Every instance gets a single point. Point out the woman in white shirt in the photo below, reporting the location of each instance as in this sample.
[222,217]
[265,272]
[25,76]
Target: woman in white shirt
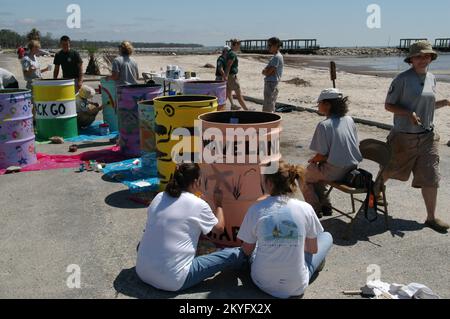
[176,220]
[285,237]
[30,64]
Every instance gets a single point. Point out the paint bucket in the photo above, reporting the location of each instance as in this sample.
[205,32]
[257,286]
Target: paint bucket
[147,134]
[17,147]
[211,88]
[56,111]
[128,97]
[109,102]
[236,166]
[177,112]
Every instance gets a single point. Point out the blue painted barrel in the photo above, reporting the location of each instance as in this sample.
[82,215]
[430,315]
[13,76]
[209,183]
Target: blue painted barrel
[109,102]
[17,147]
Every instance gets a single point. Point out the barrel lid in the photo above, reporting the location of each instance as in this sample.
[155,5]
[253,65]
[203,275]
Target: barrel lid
[53,82]
[14,91]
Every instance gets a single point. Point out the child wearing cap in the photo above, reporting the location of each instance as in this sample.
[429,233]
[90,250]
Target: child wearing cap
[273,73]
[336,145]
[86,110]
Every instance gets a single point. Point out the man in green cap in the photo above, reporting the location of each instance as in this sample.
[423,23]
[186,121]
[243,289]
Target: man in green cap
[413,139]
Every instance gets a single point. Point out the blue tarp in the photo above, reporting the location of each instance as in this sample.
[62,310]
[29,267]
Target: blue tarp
[91,133]
[133,176]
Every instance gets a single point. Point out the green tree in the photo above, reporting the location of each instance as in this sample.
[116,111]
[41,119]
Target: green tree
[10,39]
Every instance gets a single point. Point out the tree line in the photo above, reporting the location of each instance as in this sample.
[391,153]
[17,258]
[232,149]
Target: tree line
[10,39]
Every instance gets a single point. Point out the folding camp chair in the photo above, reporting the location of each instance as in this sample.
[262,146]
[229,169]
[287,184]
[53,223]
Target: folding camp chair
[378,152]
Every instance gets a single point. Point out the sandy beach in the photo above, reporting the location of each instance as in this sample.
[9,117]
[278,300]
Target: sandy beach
[366,92]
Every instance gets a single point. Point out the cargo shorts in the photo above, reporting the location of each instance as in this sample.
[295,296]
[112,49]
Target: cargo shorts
[416,154]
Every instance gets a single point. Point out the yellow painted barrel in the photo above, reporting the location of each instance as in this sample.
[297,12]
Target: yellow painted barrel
[56,111]
[175,112]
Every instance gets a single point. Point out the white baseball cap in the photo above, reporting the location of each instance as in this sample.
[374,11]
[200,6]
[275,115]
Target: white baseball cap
[330,94]
[86,92]
[226,48]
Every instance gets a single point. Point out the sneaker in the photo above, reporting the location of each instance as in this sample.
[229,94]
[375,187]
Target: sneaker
[327,211]
[438,225]
[235,108]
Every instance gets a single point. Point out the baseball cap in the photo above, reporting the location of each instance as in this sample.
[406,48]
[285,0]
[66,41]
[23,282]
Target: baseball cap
[226,48]
[330,94]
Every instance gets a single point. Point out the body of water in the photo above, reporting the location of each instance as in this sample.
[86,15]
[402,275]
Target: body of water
[392,65]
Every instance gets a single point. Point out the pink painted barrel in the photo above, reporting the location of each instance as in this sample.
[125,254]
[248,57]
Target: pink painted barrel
[17,138]
[128,97]
[217,89]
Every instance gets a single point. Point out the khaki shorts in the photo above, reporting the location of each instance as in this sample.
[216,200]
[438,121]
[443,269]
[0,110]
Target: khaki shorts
[417,154]
[233,84]
[270,96]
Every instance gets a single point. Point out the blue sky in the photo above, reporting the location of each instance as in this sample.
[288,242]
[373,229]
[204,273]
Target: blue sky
[209,22]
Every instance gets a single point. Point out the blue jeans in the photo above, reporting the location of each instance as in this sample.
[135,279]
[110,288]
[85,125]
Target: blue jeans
[204,267]
[325,242]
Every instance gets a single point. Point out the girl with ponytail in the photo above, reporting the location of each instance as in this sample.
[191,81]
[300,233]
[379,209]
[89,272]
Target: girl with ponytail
[291,242]
[176,220]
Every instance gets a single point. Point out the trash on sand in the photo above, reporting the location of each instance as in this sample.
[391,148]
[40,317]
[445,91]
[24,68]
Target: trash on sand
[73,148]
[13,169]
[56,140]
[381,290]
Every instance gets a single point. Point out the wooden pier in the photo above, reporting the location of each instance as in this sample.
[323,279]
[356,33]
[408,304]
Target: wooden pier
[405,44]
[294,46]
[442,44]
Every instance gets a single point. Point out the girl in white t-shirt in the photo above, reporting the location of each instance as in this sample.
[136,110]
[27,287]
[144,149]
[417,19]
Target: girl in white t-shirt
[284,236]
[176,220]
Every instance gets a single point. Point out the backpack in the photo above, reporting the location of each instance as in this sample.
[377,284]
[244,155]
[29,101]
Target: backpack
[360,178]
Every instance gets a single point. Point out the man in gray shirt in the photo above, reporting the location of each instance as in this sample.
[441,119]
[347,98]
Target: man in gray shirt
[124,68]
[413,141]
[273,73]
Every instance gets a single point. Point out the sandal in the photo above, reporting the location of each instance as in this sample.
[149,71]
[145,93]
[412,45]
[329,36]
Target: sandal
[438,225]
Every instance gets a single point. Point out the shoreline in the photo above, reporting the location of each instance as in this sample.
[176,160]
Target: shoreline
[323,63]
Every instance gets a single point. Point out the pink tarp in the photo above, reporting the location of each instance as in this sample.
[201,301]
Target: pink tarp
[51,162]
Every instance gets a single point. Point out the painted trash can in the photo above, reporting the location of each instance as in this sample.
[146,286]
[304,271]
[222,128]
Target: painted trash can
[211,88]
[17,140]
[128,97]
[237,167]
[109,102]
[56,111]
[177,112]
[148,139]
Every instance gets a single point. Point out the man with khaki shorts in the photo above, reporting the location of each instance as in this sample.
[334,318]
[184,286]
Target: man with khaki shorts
[231,76]
[413,141]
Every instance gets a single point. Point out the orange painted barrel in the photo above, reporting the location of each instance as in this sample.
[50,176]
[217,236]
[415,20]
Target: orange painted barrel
[237,169]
